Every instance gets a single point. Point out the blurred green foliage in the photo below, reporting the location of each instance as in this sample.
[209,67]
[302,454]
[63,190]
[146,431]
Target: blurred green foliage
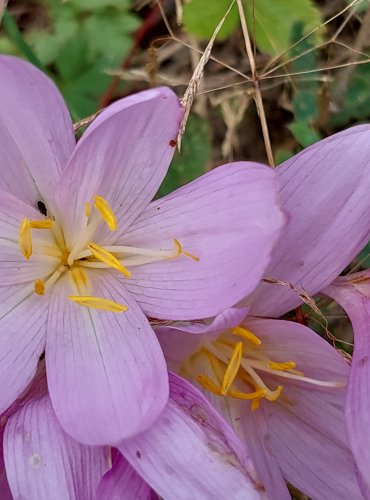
[78,42]
[271,22]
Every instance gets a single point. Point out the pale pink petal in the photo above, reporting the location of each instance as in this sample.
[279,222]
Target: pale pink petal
[123,156]
[5,493]
[36,131]
[230,219]
[123,482]
[106,373]
[23,316]
[14,268]
[181,339]
[43,462]
[353,294]
[190,452]
[324,190]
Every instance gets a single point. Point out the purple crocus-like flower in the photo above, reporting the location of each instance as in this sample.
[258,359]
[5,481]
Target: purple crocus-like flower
[189,452]
[352,292]
[279,384]
[84,254]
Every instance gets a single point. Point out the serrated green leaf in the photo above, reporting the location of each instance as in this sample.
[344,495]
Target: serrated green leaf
[71,59]
[191,162]
[91,5]
[273,21]
[201,18]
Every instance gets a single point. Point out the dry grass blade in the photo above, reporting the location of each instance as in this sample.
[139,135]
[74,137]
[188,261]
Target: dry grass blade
[187,100]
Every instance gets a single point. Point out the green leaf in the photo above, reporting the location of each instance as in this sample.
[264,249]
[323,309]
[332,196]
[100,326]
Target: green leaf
[92,5]
[273,21]
[303,133]
[71,59]
[282,155]
[192,161]
[201,18]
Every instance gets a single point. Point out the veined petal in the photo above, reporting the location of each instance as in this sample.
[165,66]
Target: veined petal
[23,318]
[324,190]
[230,219]
[122,481]
[36,131]
[14,268]
[42,461]
[207,461]
[123,157]
[106,373]
[353,294]
[5,493]
[181,339]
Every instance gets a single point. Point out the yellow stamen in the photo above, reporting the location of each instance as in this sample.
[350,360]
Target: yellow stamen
[87,209]
[256,404]
[98,303]
[106,212]
[25,239]
[79,278]
[39,287]
[104,256]
[208,384]
[246,335]
[259,393]
[180,251]
[273,395]
[41,224]
[286,365]
[232,368]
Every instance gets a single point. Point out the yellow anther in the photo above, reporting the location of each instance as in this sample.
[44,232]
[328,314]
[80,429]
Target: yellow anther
[259,393]
[232,368]
[103,255]
[273,395]
[87,209]
[98,303]
[39,287]
[246,335]
[41,224]
[256,404]
[286,365]
[179,251]
[106,212]
[25,239]
[208,384]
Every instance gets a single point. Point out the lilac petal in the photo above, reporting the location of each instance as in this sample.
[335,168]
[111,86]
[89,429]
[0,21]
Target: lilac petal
[122,481]
[229,218]
[326,468]
[179,340]
[190,452]
[36,131]
[5,493]
[324,190]
[106,373]
[353,294]
[123,156]
[42,461]
[23,316]
[14,268]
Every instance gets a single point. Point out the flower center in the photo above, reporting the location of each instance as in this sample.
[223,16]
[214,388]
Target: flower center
[85,253]
[236,368]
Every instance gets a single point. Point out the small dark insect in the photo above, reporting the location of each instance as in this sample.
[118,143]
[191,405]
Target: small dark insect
[42,208]
[173,143]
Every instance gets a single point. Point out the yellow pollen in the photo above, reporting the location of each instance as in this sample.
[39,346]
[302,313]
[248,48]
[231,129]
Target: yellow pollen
[39,287]
[286,365]
[232,368]
[98,303]
[41,224]
[246,335]
[87,209]
[256,404]
[208,384]
[25,239]
[106,212]
[180,251]
[273,395]
[79,277]
[258,393]
[104,256]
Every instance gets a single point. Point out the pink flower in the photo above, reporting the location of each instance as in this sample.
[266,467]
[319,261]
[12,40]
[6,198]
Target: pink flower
[85,255]
[189,451]
[278,383]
